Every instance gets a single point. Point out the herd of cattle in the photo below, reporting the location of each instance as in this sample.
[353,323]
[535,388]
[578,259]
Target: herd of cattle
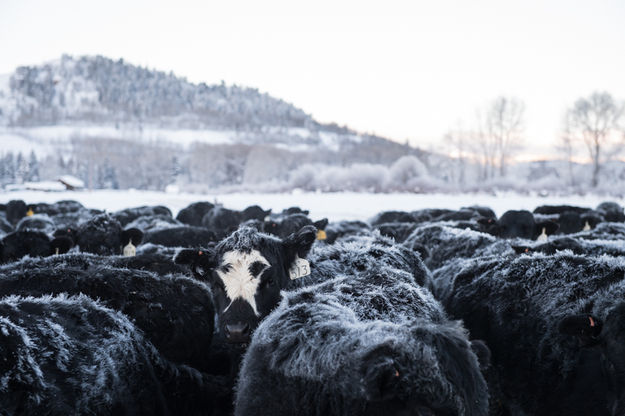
[218,312]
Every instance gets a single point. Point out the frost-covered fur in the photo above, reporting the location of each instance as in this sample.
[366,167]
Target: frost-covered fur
[595,247]
[71,355]
[336,230]
[153,222]
[357,254]
[370,344]
[398,231]
[175,313]
[443,243]
[37,222]
[182,236]
[18,244]
[516,305]
[126,216]
[604,231]
[100,235]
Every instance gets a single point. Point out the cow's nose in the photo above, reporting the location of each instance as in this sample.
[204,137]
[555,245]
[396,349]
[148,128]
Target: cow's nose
[238,333]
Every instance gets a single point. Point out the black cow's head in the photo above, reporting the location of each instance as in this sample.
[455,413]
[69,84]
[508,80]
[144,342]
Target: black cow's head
[246,272]
[519,224]
[608,339]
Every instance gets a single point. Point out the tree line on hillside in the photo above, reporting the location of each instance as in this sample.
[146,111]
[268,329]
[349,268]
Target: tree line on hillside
[105,90]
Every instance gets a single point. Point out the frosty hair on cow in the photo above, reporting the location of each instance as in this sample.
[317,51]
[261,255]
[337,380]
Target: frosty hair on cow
[246,272]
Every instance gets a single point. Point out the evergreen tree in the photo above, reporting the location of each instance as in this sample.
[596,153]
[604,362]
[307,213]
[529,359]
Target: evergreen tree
[33,168]
[21,169]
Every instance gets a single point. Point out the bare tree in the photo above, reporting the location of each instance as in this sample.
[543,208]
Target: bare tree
[595,121]
[504,128]
[458,142]
[484,148]
[566,146]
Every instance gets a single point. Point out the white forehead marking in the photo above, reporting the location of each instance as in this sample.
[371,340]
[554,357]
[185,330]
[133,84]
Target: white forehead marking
[238,280]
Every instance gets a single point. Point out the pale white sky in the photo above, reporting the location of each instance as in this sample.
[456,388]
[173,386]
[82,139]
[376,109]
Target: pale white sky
[403,69]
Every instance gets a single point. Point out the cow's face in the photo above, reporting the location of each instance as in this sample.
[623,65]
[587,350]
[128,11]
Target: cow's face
[247,271]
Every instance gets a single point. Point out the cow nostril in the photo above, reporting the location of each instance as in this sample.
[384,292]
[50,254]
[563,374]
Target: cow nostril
[238,332]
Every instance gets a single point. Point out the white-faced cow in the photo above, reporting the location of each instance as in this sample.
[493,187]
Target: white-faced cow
[246,272]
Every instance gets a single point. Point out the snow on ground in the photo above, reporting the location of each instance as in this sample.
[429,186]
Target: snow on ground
[334,206]
[16,143]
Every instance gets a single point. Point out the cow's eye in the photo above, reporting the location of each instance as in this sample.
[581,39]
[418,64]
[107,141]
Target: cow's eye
[225,268]
[257,268]
[266,283]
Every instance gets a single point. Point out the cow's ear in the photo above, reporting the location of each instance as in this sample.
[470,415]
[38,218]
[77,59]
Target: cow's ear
[133,235]
[299,243]
[521,249]
[61,245]
[585,327]
[591,219]
[486,221]
[200,261]
[321,224]
[550,227]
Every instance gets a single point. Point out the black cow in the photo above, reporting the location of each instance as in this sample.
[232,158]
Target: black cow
[222,221]
[521,224]
[183,236]
[74,219]
[175,313]
[193,214]
[295,210]
[36,222]
[15,211]
[337,230]
[439,243]
[128,215]
[604,231]
[286,225]
[153,222]
[554,325]
[18,244]
[392,216]
[104,235]
[611,211]
[367,344]
[559,209]
[71,355]
[254,212]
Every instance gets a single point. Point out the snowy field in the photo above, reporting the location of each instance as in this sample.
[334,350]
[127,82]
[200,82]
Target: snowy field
[334,206]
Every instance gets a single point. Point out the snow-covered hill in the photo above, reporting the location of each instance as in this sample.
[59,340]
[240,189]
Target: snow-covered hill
[44,107]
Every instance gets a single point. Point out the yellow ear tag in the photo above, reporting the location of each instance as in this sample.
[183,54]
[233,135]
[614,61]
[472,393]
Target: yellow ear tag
[321,235]
[56,251]
[586,226]
[30,212]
